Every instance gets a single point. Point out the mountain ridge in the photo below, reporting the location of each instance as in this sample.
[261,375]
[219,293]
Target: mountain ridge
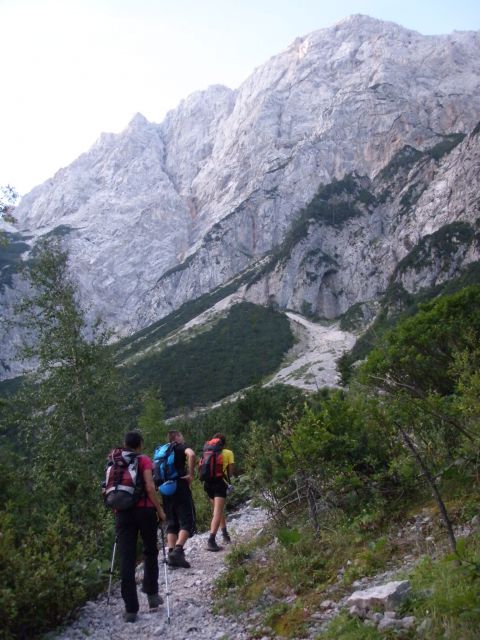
[162,214]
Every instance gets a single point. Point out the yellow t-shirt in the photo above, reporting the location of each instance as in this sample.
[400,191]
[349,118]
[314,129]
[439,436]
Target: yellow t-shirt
[227,459]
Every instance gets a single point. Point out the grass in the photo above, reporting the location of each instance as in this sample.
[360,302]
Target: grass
[447,595]
[346,628]
[290,570]
[286,621]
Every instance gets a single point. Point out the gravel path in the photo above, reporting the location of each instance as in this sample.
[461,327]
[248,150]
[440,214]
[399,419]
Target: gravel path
[190,597]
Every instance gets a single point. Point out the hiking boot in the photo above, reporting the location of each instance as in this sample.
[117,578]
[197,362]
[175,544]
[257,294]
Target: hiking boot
[130,617]
[226,538]
[212,545]
[154,600]
[177,558]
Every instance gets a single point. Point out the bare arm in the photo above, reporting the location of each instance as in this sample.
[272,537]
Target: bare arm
[152,493]
[191,465]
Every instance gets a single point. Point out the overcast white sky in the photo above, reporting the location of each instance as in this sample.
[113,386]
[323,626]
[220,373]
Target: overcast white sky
[71,69]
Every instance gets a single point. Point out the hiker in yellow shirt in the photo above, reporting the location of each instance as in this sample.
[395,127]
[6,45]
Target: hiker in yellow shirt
[217,490]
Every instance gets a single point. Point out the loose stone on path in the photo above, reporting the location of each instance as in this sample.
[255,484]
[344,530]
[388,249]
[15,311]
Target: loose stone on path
[190,597]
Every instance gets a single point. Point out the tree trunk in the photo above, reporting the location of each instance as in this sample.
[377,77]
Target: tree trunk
[433,485]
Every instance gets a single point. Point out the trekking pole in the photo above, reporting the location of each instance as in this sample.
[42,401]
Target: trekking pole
[167,590]
[111,570]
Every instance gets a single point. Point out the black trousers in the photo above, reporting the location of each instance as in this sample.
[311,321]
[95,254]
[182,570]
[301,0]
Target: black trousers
[180,510]
[128,524]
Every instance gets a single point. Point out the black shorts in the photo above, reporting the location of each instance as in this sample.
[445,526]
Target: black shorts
[180,510]
[215,488]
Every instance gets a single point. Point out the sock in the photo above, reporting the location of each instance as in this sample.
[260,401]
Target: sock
[224,531]
[212,537]
[179,546]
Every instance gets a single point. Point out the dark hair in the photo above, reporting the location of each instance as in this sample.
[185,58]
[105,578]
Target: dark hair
[221,437]
[133,439]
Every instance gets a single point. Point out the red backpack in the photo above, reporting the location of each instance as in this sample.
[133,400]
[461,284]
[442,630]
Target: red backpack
[210,466]
[123,480]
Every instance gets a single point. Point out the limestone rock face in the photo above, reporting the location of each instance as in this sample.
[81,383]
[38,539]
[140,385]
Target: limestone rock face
[416,230]
[162,213]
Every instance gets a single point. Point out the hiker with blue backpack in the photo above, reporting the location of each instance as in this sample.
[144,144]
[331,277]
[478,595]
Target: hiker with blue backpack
[129,490]
[216,468]
[174,467]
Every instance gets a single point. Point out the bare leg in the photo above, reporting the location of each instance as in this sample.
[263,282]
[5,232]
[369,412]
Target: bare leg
[223,522]
[182,537]
[218,506]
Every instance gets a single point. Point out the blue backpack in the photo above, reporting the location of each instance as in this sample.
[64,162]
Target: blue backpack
[165,474]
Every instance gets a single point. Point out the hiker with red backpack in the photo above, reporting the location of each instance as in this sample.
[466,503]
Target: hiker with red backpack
[129,490]
[216,469]
[174,467]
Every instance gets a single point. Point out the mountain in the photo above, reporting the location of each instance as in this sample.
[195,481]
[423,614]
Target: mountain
[344,166]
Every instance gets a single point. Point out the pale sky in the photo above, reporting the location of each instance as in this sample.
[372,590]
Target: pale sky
[72,69]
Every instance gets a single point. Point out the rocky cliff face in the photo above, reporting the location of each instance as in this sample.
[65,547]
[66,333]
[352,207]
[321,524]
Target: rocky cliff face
[161,214]
[415,225]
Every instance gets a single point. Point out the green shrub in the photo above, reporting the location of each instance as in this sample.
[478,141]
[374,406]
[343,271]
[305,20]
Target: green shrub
[45,576]
[203,508]
[420,351]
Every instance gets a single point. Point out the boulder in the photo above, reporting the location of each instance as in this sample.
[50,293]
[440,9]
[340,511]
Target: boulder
[385,597]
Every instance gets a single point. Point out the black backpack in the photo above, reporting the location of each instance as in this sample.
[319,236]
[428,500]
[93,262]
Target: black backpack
[123,485]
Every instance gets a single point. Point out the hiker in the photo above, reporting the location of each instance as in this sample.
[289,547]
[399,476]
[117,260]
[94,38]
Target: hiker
[143,517]
[217,473]
[174,469]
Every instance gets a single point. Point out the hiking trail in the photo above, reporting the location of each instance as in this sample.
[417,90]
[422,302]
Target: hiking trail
[191,615]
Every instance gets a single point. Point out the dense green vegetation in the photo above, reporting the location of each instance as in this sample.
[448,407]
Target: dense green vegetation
[60,423]
[241,349]
[265,405]
[56,430]
[154,333]
[343,472]
[397,303]
[339,471]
